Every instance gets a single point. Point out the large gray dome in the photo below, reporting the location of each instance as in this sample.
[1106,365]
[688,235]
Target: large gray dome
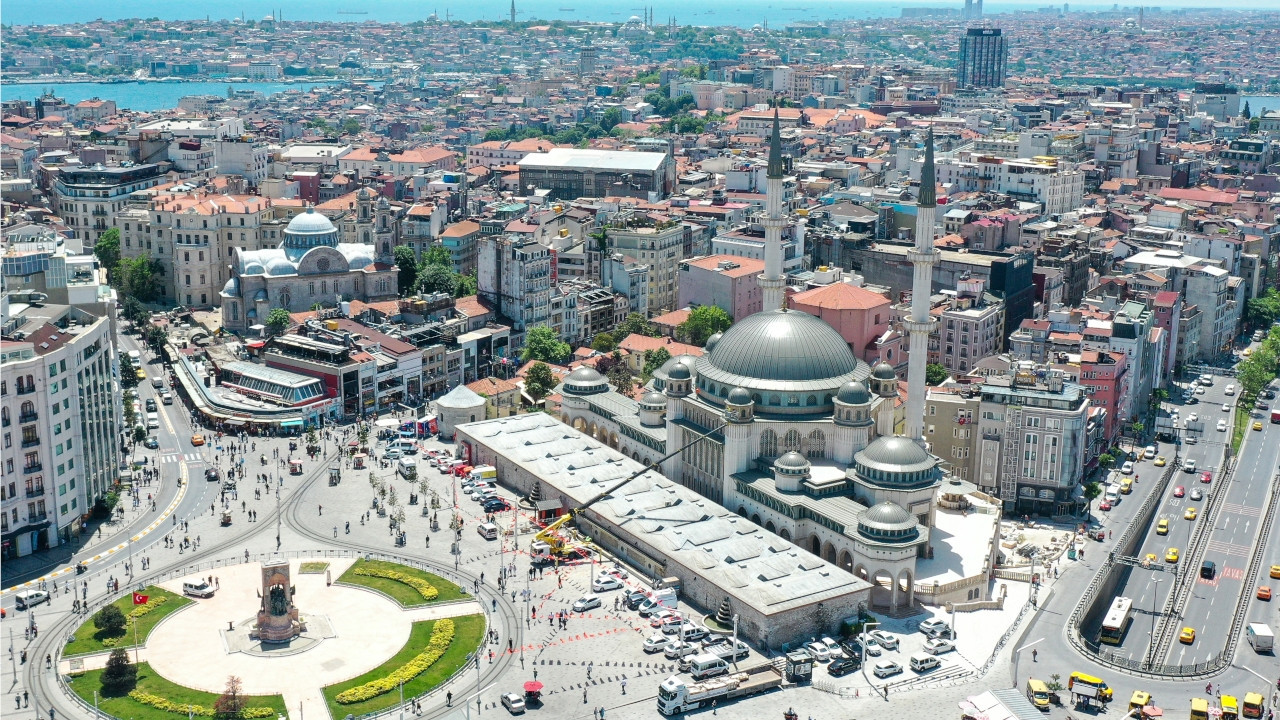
[310,223]
[585,381]
[781,350]
[894,453]
[739,396]
[888,514]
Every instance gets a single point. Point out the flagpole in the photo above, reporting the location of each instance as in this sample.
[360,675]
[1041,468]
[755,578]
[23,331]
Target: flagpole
[135,641]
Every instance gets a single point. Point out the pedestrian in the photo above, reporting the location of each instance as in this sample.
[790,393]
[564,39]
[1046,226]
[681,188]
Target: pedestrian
[320,508]
[624,686]
[584,696]
[1034,653]
[595,713]
[24,698]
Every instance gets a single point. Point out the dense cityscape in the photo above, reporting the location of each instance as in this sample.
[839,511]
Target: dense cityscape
[827,367]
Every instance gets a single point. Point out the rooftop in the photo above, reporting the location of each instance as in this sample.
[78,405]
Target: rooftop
[595,159]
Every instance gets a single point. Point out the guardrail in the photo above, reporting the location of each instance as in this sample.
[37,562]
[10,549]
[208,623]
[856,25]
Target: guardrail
[1268,521]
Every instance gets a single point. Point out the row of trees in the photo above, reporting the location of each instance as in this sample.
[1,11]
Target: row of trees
[137,277]
[433,273]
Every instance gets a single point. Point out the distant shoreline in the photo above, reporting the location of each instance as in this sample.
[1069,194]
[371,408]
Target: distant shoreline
[55,80]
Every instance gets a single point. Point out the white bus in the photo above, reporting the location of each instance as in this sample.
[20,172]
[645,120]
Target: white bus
[1117,620]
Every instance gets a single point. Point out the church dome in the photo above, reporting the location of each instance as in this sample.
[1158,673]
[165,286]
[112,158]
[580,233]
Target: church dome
[884,371]
[585,381]
[854,393]
[791,461]
[310,223]
[739,396]
[791,361]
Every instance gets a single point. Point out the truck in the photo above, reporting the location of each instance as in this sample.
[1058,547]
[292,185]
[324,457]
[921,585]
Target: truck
[1261,638]
[675,695]
[484,472]
[1275,416]
[659,600]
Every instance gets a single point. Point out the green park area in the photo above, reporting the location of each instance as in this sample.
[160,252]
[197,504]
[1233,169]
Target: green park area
[408,586]
[108,629]
[154,698]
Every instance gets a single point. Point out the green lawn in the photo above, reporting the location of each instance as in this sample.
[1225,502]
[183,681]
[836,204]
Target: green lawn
[313,568]
[88,639]
[1242,426]
[468,632]
[404,594]
[150,682]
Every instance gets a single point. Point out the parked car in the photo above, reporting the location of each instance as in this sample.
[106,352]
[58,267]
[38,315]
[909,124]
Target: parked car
[832,646]
[662,616]
[151,404]
[586,602]
[513,703]
[495,505]
[937,646]
[604,583]
[634,598]
[679,648]
[656,642]
[884,639]
[819,651]
[934,627]
[843,666]
[151,443]
[886,668]
[864,646]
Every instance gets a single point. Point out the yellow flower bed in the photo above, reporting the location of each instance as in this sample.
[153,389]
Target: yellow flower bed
[168,705]
[441,637]
[426,589]
[146,607]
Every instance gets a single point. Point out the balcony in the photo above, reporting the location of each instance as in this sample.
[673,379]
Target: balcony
[26,389]
[37,467]
[27,417]
[99,211]
[36,491]
[30,442]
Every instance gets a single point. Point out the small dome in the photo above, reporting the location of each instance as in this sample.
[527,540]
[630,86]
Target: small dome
[711,341]
[310,223]
[791,461]
[887,514]
[739,396]
[252,267]
[884,371]
[280,266]
[260,296]
[634,20]
[584,381]
[365,193]
[894,453]
[690,361]
[679,371]
[654,399]
[232,288]
[853,393]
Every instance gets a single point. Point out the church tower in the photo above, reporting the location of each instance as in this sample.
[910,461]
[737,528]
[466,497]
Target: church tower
[922,257]
[772,284]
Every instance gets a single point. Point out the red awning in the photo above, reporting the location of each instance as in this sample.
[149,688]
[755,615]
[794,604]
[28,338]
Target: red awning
[533,686]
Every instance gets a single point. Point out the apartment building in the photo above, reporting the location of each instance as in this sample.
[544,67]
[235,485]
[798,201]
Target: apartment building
[1034,432]
[60,421]
[970,327]
[657,244]
[87,198]
[1208,287]
[1113,148]
[730,283]
[497,153]
[514,274]
[1056,188]
[951,427]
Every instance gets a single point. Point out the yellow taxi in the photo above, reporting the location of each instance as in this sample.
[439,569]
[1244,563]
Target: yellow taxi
[1187,636]
[1162,528]
[1247,352]
[1171,556]
[1257,424]
[1275,571]
[1151,557]
[1190,514]
[1160,461]
[197,439]
[140,374]
[1264,592]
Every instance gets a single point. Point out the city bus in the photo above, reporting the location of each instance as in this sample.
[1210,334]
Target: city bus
[1116,621]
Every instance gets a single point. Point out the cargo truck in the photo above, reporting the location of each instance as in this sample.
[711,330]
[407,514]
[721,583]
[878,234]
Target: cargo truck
[675,695]
[1261,639]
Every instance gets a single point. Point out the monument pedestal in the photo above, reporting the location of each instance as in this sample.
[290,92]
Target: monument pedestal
[278,616]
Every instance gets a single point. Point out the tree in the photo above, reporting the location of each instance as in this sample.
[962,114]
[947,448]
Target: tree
[278,321]
[407,262]
[636,324]
[539,380]
[157,336]
[119,676]
[437,278]
[604,342]
[542,343]
[107,249]
[1106,460]
[133,311]
[467,285]
[620,377]
[137,277]
[703,322]
[231,701]
[654,359]
[611,117]
[1246,114]
[935,374]
[1263,310]
[110,620]
[437,255]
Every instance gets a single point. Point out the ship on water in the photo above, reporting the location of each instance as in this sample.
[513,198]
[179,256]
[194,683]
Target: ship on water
[353,12]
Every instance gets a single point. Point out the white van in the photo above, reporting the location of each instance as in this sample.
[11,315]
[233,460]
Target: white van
[153,421]
[407,447]
[707,665]
[30,598]
[167,398]
[1113,494]
[407,468]
[199,588]
[921,662]
[157,382]
[488,531]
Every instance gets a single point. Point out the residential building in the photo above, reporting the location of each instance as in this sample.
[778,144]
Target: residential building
[87,198]
[970,327]
[951,427]
[498,153]
[60,418]
[569,173]
[657,243]
[859,315]
[514,274]
[460,240]
[727,282]
[1056,187]
[501,397]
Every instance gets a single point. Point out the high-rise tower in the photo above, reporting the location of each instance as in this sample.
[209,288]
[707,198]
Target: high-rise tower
[984,57]
[772,283]
[922,257]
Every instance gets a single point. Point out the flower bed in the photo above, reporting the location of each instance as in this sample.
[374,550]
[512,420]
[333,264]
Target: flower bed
[424,588]
[312,568]
[441,637]
[167,705]
[140,610]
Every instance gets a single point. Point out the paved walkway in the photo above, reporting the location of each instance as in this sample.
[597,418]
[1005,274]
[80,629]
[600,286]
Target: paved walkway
[368,629]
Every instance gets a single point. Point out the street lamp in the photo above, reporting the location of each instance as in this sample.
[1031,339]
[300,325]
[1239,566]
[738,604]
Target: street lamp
[862,649]
[1155,596]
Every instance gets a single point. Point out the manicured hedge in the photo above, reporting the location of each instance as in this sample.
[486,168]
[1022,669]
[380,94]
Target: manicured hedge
[167,705]
[441,637]
[426,589]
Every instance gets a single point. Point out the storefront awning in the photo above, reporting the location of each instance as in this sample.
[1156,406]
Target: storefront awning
[291,423]
[233,421]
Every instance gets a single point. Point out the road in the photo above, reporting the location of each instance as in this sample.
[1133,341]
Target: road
[1211,605]
[1149,589]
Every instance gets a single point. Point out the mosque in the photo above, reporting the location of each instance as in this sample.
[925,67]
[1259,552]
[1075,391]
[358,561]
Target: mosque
[797,432]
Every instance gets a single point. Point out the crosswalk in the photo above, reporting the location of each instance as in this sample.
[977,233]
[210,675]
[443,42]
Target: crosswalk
[1238,509]
[1225,548]
[173,457]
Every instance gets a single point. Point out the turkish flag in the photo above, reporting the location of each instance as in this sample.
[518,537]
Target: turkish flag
[140,599]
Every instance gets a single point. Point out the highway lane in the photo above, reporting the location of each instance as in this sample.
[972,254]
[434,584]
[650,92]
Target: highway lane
[1210,608]
[1149,589]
